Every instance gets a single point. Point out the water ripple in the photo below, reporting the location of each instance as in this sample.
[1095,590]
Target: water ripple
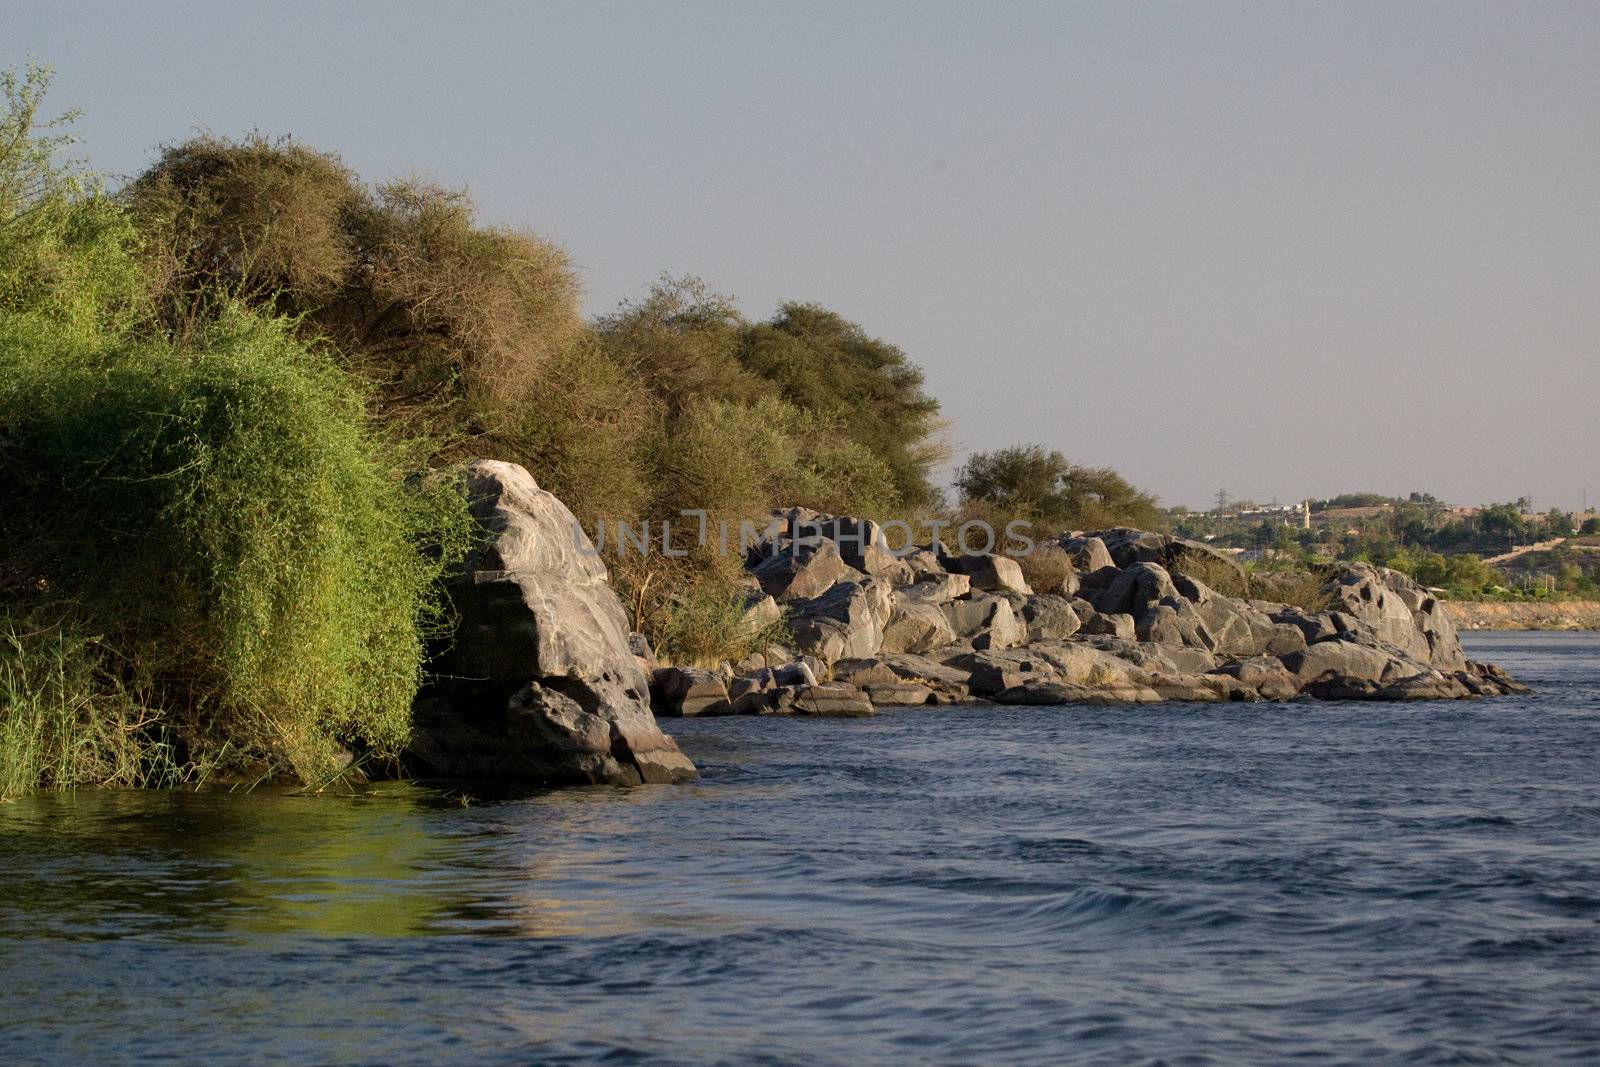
[1325,883]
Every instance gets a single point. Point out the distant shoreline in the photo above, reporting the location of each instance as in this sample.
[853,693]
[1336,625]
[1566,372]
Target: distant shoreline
[1524,615]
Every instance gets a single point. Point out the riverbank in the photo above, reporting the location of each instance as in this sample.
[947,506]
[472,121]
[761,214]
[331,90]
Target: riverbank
[1501,615]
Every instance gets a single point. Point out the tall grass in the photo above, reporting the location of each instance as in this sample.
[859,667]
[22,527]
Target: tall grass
[63,725]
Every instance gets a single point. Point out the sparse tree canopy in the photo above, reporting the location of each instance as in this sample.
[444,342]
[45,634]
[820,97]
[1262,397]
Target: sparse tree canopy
[451,319]
[682,341]
[1031,482]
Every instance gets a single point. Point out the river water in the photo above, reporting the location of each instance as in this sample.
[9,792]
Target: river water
[1183,884]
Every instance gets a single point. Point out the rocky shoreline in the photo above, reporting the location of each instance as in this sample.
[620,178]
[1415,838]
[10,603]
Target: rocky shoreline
[1546,615]
[544,681]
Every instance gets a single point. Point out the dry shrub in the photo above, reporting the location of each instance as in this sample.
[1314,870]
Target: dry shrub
[261,220]
[452,320]
[1047,568]
[692,610]
[1306,590]
[1224,577]
[1300,589]
[485,307]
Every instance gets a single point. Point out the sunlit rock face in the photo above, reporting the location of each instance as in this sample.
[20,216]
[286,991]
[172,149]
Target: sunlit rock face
[541,682]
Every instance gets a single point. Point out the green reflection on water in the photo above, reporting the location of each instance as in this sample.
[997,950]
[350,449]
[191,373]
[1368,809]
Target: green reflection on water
[394,861]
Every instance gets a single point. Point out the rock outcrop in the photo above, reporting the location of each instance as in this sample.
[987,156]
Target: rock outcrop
[541,682]
[1127,618]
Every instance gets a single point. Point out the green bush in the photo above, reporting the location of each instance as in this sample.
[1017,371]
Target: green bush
[222,515]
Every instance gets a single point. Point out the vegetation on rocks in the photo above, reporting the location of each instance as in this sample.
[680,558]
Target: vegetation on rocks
[218,383]
[210,558]
[1041,486]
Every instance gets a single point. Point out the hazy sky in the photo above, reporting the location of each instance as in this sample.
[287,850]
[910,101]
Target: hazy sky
[1283,249]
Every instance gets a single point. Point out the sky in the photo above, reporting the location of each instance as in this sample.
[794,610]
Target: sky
[1280,249]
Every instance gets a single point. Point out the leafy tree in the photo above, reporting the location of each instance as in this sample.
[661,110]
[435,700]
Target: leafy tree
[1501,525]
[682,340]
[1591,527]
[1558,523]
[1431,569]
[820,361]
[1029,481]
[1468,574]
[450,319]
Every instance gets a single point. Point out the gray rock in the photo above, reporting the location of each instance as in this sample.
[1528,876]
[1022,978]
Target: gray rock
[1080,663]
[970,614]
[837,701]
[925,564]
[1128,546]
[1395,610]
[1265,676]
[1175,622]
[898,694]
[916,626]
[862,545]
[680,691]
[1050,618]
[992,574]
[1344,659]
[803,571]
[1115,624]
[760,612]
[1088,554]
[847,621]
[863,672]
[989,672]
[1135,590]
[539,621]
[798,673]
[923,669]
[1005,629]
[1194,688]
[940,589]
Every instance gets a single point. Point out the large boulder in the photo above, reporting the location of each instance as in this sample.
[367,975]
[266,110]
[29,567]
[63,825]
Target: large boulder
[862,545]
[835,701]
[1174,621]
[847,621]
[916,626]
[1136,590]
[969,615]
[1360,591]
[1346,660]
[680,691]
[542,683]
[1050,618]
[1128,546]
[1088,554]
[803,570]
[992,574]
[1005,628]
[937,589]
[1437,628]
[1236,627]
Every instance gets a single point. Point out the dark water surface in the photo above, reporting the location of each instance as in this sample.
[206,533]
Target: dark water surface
[1185,884]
